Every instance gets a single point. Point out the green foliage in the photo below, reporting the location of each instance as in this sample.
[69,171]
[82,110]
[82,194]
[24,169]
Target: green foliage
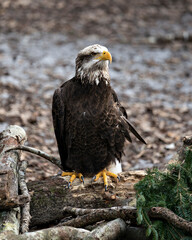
[171,189]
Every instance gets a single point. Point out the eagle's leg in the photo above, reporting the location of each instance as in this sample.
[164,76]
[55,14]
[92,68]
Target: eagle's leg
[106,173]
[73,176]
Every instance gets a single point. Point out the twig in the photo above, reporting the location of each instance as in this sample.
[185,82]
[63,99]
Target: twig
[40,153]
[91,216]
[25,210]
[84,211]
[77,211]
[171,217]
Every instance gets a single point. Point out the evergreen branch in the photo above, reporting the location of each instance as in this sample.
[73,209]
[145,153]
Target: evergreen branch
[160,193]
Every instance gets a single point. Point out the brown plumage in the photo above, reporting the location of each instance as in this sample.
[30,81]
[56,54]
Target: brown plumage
[90,124]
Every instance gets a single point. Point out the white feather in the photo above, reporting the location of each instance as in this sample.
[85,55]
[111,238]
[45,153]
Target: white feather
[115,167]
[93,48]
[97,81]
[87,65]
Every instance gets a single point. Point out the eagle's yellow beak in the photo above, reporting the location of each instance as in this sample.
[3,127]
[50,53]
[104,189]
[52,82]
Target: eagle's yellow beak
[104,56]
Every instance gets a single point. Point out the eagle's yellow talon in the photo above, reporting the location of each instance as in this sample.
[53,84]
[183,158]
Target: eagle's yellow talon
[67,174]
[81,177]
[72,178]
[106,173]
[105,178]
[97,176]
[111,174]
[73,175]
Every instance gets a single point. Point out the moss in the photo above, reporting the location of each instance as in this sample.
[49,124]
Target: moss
[9,227]
[58,190]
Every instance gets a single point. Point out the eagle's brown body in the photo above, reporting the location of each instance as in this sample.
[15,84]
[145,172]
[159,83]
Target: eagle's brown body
[89,127]
[90,124]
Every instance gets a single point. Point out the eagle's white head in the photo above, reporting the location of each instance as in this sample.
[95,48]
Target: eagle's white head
[92,64]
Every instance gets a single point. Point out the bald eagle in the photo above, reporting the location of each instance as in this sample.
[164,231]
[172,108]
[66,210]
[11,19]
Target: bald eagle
[91,125]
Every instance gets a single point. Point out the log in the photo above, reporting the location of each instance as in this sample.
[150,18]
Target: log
[50,196]
[9,190]
[111,230]
[13,136]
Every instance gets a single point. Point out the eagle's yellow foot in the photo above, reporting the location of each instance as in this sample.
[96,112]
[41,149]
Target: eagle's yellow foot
[105,173]
[73,176]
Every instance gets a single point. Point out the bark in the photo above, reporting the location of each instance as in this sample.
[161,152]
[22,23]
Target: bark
[11,137]
[187,142]
[84,211]
[50,196]
[171,217]
[25,210]
[96,215]
[9,222]
[9,190]
[110,230]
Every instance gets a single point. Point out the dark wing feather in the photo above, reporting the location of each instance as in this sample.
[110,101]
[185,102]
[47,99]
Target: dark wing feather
[133,130]
[125,120]
[58,114]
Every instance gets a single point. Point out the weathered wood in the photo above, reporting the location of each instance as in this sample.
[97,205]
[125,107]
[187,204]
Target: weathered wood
[50,196]
[9,222]
[9,198]
[111,230]
[25,210]
[38,152]
[97,215]
[11,137]
[168,215]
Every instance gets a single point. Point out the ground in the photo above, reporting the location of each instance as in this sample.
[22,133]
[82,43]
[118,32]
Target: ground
[150,73]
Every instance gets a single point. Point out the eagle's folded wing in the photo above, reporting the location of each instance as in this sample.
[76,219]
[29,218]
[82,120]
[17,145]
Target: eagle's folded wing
[125,122]
[58,114]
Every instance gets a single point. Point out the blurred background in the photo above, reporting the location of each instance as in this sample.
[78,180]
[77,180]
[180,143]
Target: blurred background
[151,43]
